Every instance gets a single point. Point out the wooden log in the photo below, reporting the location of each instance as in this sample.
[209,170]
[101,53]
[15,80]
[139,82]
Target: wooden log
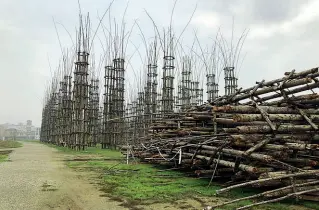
[205,129]
[313,125]
[272,174]
[159,127]
[296,146]
[300,174]
[199,133]
[225,163]
[276,174]
[256,147]
[283,128]
[276,147]
[279,155]
[309,197]
[294,194]
[314,103]
[299,99]
[232,122]
[303,73]
[302,162]
[206,117]
[270,193]
[230,130]
[227,99]
[310,102]
[166,135]
[277,137]
[272,117]
[287,190]
[222,170]
[289,92]
[210,150]
[269,109]
[296,75]
[315,153]
[203,172]
[290,84]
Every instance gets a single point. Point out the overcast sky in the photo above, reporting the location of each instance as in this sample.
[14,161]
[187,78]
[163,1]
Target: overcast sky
[283,36]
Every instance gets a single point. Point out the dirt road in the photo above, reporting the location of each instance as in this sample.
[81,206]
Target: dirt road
[36,178]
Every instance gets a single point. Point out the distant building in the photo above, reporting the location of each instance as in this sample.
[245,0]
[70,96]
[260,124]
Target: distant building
[29,123]
[19,131]
[11,134]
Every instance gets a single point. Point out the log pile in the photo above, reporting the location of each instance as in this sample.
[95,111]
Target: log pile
[262,136]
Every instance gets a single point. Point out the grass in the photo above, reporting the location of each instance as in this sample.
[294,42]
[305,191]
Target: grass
[107,153]
[9,144]
[3,158]
[144,183]
[31,141]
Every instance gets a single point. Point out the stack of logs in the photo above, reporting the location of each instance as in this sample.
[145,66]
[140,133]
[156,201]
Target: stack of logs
[266,135]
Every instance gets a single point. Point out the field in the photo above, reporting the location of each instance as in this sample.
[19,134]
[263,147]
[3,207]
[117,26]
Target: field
[9,144]
[138,184]
[5,149]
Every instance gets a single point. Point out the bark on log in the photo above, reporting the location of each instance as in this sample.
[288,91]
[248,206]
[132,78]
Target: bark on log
[292,83]
[311,73]
[301,162]
[210,150]
[269,109]
[225,163]
[230,130]
[296,146]
[299,99]
[296,75]
[279,199]
[272,117]
[277,137]
[290,92]
[231,122]
[271,193]
[300,174]
[256,147]
[283,128]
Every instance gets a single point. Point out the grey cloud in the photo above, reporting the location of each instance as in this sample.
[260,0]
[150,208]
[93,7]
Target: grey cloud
[254,11]
[274,11]
[27,35]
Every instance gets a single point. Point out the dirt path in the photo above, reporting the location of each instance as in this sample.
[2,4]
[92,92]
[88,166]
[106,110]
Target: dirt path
[36,178]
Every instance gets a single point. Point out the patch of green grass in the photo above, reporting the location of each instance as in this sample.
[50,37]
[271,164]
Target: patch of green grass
[107,153]
[3,158]
[30,141]
[144,183]
[311,205]
[74,164]
[10,144]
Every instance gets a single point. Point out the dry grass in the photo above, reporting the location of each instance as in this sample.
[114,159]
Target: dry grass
[9,144]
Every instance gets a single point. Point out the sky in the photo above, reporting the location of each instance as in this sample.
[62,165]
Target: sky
[283,35]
